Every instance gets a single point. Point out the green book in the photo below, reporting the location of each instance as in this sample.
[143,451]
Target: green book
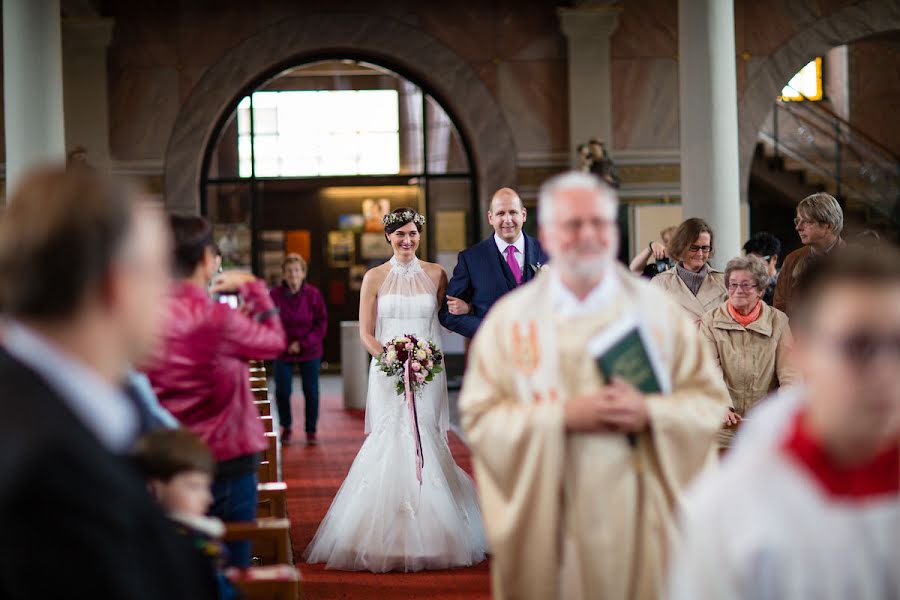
[629,359]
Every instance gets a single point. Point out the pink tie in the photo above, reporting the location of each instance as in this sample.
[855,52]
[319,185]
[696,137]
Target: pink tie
[513,263]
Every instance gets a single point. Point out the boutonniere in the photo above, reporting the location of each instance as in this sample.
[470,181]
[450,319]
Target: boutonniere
[538,267]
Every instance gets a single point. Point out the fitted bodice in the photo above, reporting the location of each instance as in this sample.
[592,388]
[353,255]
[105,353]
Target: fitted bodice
[407,303]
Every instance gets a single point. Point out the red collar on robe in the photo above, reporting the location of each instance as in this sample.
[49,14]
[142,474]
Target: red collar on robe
[879,476]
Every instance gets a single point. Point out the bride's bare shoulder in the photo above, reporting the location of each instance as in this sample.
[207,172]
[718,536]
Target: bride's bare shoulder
[433,270]
[376,275]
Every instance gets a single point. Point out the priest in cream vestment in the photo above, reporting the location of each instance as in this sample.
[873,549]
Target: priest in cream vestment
[579,478]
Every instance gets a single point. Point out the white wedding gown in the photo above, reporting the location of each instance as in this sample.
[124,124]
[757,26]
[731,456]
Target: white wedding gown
[381,518]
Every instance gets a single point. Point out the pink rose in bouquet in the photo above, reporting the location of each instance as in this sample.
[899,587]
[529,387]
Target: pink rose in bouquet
[424,357]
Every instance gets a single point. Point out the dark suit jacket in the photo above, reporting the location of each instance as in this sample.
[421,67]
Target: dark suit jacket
[75,520]
[481,276]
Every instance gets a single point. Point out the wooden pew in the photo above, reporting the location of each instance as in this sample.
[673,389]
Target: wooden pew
[269,466]
[272,500]
[270,539]
[268,423]
[276,582]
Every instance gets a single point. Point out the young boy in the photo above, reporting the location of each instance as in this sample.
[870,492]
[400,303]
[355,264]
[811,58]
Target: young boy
[179,469]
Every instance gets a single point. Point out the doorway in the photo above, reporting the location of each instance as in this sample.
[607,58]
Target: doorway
[307,162]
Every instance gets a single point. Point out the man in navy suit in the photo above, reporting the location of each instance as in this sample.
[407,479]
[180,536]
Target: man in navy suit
[492,267]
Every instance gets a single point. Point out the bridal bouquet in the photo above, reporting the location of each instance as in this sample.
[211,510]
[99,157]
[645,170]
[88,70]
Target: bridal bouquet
[406,354]
[414,363]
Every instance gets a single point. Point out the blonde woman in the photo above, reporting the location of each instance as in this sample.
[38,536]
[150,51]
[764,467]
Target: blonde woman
[305,321]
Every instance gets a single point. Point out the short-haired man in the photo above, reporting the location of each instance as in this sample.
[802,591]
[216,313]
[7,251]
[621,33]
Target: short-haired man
[579,473]
[766,247]
[491,267]
[807,505]
[819,223]
[84,269]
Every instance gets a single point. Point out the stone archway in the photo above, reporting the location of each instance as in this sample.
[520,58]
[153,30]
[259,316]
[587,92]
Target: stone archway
[765,81]
[378,39]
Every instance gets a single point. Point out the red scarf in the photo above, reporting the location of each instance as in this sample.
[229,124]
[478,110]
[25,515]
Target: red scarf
[744,320]
[879,476]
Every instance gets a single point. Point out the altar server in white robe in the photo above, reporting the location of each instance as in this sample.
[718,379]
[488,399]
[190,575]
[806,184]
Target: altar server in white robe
[579,476]
[807,504]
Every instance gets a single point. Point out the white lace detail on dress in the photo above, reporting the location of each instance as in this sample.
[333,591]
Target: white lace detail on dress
[407,304]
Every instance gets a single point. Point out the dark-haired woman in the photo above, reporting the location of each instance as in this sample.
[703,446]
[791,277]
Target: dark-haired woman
[692,282]
[201,374]
[389,515]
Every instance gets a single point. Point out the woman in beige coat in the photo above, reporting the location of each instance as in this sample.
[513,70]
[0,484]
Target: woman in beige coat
[750,340]
[696,286]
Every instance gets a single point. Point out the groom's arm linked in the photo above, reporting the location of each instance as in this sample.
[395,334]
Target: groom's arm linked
[460,286]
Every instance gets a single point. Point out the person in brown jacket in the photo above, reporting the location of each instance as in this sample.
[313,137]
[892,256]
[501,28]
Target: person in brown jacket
[819,223]
[750,340]
[695,285]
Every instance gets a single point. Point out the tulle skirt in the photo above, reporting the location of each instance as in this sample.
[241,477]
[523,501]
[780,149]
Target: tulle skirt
[381,518]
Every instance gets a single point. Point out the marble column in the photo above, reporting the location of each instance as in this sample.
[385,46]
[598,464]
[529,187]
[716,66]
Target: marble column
[85,42]
[32,86]
[587,30]
[710,168]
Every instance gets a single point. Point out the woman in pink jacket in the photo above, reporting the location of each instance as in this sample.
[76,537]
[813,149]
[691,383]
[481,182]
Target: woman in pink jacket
[202,375]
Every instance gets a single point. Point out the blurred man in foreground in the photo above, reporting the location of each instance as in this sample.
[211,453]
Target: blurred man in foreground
[83,272]
[578,470]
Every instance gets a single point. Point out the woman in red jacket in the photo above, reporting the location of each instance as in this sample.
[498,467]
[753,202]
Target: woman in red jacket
[202,375]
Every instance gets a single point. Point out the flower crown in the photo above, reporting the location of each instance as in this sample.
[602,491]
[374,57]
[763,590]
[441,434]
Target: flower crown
[406,216]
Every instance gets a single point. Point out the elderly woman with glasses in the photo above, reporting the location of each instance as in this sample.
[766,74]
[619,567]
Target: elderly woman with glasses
[692,282]
[750,340]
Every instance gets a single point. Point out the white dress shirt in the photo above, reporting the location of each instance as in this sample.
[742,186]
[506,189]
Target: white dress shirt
[566,304]
[104,410]
[519,245]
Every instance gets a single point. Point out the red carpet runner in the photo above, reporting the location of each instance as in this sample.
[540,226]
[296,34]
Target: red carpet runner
[313,475]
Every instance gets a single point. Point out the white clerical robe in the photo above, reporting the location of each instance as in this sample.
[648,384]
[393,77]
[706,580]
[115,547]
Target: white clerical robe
[766,526]
[569,515]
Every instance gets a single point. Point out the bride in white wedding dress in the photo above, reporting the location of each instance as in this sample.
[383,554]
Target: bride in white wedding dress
[382,519]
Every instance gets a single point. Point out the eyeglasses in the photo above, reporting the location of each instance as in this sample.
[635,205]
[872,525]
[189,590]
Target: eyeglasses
[573,226]
[804,222]
[746,287]
[860,349]
[703,249]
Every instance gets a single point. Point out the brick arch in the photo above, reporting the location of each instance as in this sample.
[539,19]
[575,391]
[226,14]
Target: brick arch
[380,40]
[765,81]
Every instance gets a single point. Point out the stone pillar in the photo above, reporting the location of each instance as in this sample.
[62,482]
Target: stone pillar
[587,30]
[710,167]
[32,86]
[84,43]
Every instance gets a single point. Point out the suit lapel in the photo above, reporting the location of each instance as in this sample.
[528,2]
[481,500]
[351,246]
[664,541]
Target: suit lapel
[527,273]
[532,257]
[500,263]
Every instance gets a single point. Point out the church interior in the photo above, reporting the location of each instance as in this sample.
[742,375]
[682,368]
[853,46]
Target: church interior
[297,127]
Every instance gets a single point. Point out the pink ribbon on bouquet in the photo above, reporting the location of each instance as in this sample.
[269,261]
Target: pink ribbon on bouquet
[414,420]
